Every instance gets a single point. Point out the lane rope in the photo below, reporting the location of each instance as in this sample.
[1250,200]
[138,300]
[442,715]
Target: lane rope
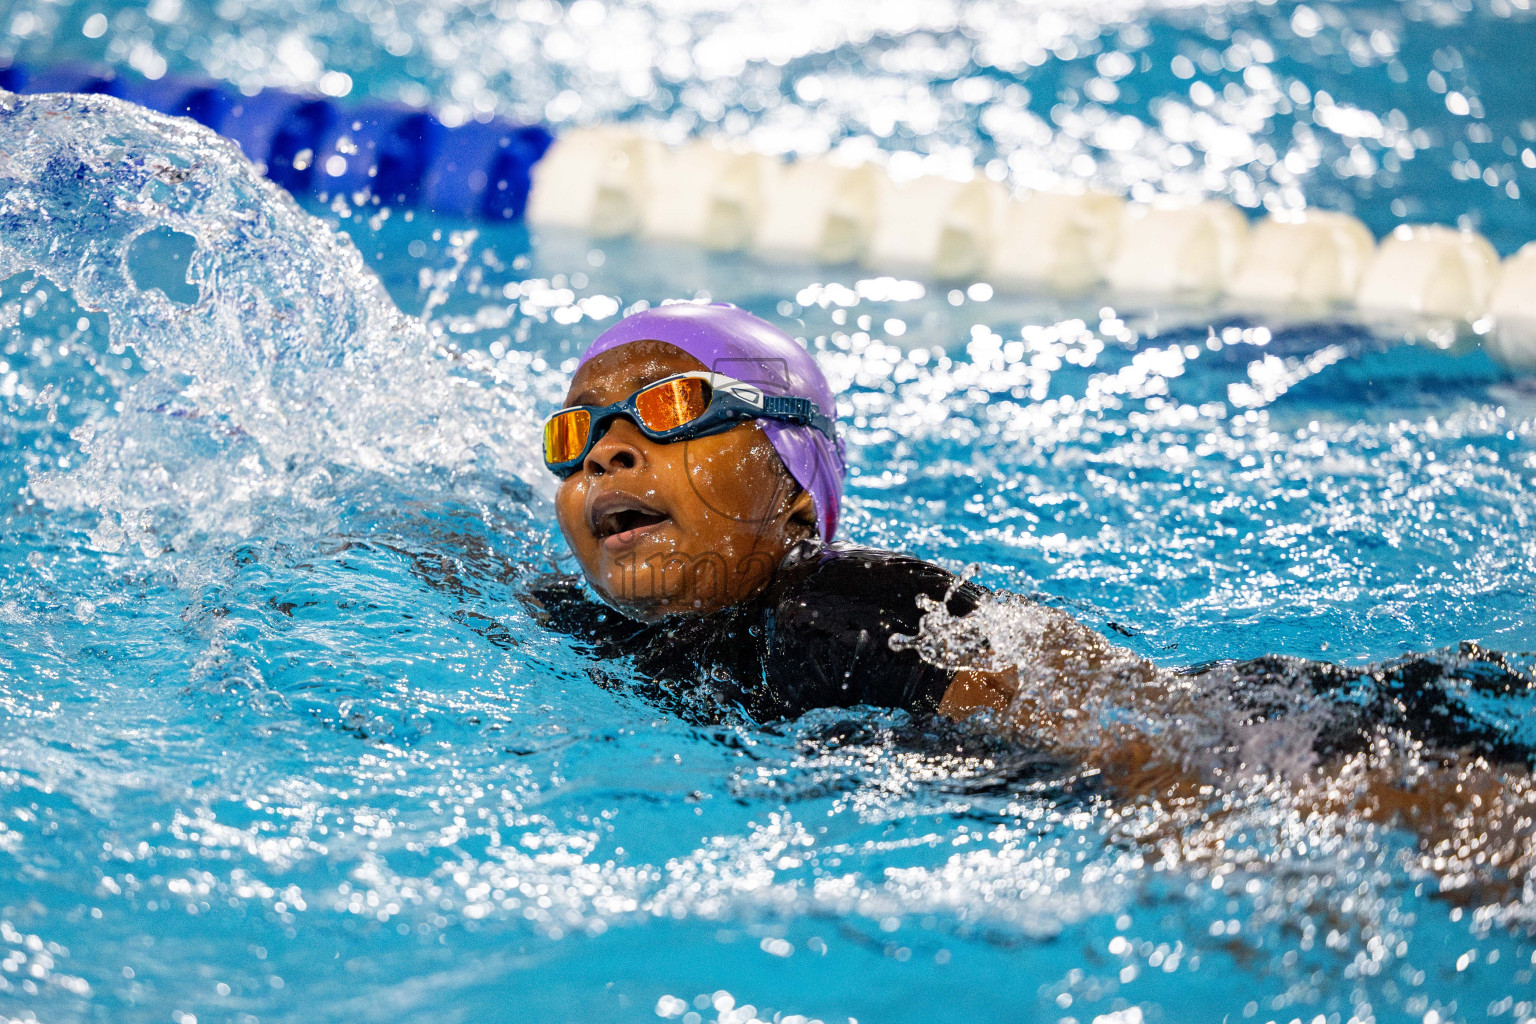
[615,181]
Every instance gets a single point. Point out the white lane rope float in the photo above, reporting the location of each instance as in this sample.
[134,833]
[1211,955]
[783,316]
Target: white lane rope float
[614,181]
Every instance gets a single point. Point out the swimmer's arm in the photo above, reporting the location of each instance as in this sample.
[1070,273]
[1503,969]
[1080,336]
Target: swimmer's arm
[972,690]
[1083,669]
[1079,663]
[1131,764]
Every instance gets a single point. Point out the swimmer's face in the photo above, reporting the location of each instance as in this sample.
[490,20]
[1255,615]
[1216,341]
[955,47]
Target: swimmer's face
[686,527]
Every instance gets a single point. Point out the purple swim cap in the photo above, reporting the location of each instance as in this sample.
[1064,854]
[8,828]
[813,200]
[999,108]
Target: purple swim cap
[733,342]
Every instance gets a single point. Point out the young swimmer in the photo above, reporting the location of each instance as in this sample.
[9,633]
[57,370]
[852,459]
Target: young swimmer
[700,476]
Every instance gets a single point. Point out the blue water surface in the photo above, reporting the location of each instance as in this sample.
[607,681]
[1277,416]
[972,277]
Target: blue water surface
[278,741]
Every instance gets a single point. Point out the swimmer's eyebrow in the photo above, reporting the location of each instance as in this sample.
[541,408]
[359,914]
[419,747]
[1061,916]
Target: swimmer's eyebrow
[590,397]
[632,383]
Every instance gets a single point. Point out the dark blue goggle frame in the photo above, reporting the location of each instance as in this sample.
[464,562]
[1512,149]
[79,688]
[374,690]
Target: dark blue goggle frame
[731,402]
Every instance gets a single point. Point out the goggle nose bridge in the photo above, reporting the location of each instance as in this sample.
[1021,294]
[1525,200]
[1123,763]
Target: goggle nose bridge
[598,426]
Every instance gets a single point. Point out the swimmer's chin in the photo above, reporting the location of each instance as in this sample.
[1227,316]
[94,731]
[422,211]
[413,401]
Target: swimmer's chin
[626,573]
[643,609]
[617,589]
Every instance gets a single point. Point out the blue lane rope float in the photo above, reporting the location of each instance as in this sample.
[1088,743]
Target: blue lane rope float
[317,147]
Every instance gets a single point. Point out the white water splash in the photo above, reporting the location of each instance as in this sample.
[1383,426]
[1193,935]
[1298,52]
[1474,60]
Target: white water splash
[291,369]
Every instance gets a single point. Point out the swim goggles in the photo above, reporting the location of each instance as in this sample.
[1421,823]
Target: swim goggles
[677,408]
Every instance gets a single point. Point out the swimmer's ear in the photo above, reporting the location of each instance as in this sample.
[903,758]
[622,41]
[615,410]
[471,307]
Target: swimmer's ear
[802,514]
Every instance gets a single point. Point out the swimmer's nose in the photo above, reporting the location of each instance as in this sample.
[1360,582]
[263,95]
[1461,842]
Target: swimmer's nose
[619,447]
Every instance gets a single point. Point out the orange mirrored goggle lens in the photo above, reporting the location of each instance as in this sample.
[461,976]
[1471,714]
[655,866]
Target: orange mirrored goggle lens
[565,435]
[660,407]
[670,404]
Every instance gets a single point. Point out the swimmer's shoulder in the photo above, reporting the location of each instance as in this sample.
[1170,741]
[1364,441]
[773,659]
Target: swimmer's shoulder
[834,612]
[881,585]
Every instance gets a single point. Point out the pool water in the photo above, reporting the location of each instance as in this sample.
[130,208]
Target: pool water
[280,742]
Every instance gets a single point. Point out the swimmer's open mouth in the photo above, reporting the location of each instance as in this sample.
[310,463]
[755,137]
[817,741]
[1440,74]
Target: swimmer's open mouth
[620,516]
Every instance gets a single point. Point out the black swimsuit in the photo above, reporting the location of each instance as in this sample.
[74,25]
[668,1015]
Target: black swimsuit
[1432,698]
[817,636]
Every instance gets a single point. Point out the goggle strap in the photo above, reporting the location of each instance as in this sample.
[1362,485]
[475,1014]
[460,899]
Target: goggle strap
[787,408]
[802,411]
